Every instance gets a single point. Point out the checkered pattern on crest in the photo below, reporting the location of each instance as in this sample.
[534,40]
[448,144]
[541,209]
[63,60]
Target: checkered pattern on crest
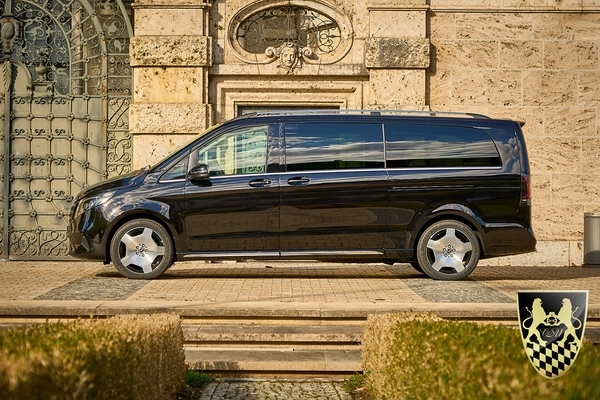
[552,360]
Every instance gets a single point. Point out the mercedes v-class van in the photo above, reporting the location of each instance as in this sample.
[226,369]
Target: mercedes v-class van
[437,190]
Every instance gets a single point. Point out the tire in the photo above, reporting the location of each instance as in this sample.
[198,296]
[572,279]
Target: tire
[142,249]
[448,250]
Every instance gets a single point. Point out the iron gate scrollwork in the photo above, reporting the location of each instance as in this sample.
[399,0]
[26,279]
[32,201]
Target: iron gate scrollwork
[65,98]
[300,26]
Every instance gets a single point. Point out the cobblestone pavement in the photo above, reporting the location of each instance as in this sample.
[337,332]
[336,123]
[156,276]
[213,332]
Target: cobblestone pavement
[275,390]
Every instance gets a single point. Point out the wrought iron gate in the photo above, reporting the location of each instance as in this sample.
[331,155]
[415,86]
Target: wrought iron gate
[65,90]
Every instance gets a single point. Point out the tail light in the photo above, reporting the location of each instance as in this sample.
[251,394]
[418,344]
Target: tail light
[526,191]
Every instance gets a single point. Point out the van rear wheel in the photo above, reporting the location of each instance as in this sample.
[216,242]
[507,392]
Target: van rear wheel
[448,250]
[141,249]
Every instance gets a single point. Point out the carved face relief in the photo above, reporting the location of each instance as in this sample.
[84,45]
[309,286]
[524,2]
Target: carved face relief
[289,58]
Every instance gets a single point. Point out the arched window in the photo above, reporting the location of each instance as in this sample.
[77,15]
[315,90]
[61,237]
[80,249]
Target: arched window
[303,27]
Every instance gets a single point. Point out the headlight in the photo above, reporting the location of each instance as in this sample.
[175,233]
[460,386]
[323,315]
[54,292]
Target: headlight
[91,202]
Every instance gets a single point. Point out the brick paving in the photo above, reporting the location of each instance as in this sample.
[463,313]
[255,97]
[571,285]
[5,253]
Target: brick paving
[28,280]
[298,282]
[285,282]
[509,280]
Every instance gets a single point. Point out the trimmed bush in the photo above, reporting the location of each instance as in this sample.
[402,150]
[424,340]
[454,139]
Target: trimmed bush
[420,356]
[131,357]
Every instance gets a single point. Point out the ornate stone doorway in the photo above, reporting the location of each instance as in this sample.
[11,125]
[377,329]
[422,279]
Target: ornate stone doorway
[65,93]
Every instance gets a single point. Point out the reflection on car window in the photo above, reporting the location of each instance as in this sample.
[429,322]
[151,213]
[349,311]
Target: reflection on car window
[241,151]
[416,146]
[177,171]
[333,146]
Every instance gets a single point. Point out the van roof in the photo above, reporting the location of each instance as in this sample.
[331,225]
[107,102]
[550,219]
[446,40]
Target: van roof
[415,113]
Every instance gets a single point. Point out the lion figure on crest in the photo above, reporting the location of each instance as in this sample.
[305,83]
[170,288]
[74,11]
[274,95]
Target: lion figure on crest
[565,316]
[538,314]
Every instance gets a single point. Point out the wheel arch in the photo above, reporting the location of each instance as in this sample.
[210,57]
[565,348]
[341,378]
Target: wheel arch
[139,215]
[464,215]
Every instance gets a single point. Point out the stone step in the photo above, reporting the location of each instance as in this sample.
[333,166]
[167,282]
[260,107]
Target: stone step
[273,363]
[207,335]
[283,350]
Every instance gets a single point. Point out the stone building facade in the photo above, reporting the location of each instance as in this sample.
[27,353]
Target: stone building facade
[194,63]
[533,60]
[536,61]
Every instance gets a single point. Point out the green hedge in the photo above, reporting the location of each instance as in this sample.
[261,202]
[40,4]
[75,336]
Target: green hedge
[134,357]
[420,356]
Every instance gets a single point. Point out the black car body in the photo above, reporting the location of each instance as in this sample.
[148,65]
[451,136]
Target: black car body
[439,191]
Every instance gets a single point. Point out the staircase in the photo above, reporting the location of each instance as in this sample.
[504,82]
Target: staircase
[248,343]
[274,348]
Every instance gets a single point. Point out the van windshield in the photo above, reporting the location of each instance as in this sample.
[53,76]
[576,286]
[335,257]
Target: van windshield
[160,165]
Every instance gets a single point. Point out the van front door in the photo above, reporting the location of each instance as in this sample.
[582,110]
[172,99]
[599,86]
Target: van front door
[334,192]
[235,212]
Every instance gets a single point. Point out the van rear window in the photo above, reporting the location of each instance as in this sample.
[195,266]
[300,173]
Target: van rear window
[333,146]
[418,146]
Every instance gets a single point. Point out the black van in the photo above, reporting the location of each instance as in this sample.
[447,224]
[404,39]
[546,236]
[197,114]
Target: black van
[437,190]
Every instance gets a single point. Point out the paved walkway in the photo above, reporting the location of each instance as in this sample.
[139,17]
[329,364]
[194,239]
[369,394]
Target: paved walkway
[298,282]
[256,389]
[285,287]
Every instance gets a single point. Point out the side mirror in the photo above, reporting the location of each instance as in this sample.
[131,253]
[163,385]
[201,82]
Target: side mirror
[199,172]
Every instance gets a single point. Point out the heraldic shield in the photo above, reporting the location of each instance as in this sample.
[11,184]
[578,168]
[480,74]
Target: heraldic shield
[552,325]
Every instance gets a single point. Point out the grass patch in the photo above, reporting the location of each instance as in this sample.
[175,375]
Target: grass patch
[195,383]
[354,383]
[356,386]
[197,380]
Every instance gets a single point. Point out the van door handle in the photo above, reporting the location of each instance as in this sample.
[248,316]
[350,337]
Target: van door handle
[264,182]
[299,181]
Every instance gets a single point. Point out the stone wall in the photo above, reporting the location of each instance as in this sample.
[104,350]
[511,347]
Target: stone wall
[170,56]
[539,65]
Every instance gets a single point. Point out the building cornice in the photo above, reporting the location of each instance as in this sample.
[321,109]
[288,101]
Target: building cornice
[546,10]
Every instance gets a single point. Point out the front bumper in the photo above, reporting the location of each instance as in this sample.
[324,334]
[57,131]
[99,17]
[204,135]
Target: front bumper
[86,235]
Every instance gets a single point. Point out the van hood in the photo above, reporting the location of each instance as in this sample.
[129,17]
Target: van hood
[131,179]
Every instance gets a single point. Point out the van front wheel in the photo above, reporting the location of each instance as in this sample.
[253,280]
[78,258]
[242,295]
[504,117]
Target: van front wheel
[448,250]
[141,249]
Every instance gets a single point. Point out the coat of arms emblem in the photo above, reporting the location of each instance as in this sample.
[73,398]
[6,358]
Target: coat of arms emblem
[552,325]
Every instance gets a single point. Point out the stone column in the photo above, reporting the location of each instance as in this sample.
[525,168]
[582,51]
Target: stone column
[397,54]
[170,55]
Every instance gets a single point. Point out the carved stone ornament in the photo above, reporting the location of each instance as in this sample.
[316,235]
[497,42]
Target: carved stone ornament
[6,74]
[8,32]
[268,30]
[290,57]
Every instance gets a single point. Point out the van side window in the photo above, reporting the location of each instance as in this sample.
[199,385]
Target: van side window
[240,151]
[328,146]
[177,171]
[416,146]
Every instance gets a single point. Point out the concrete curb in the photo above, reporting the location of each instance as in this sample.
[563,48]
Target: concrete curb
[275,310]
